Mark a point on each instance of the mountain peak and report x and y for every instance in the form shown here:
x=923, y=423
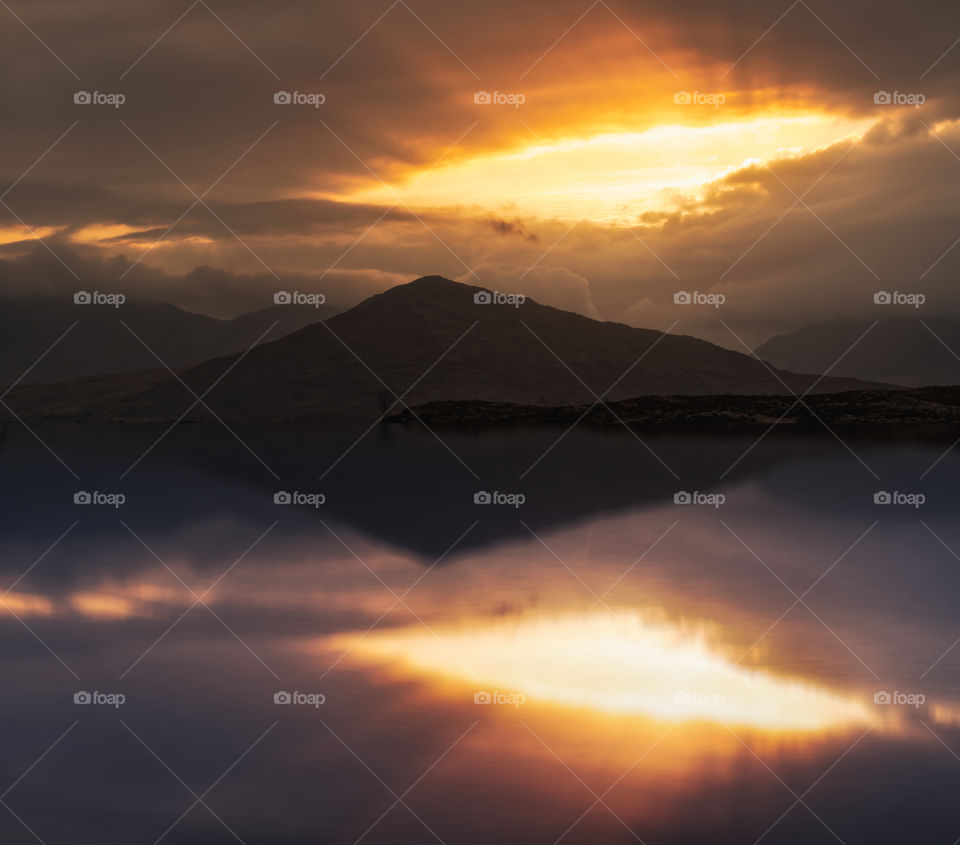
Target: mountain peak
x=424, y=291
x=433, y=280
x=431, y=284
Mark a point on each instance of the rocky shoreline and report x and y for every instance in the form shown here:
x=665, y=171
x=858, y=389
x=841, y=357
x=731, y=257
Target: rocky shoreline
x=929, y=406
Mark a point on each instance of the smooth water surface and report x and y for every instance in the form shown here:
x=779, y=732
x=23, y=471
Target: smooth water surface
x=595, y=664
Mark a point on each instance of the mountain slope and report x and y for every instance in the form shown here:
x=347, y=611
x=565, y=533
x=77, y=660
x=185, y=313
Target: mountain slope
x=429, y=335
x=899, y=350
x=100, y=344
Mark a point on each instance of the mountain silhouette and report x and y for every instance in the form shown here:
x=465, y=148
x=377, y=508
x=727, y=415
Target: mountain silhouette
x=898, y=350
x=425, y=341
x=101, y=344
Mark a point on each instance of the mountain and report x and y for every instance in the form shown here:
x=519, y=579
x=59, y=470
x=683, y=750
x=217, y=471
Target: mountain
x=431, y=338
x=898, y=350
x=100, y=344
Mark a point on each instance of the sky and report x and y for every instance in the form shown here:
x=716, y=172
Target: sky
x=790, y=158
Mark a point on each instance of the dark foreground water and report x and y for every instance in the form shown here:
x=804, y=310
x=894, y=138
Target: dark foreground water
x=401, y=664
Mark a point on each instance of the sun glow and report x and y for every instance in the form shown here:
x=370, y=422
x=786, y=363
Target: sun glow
x=15, y=234
x=614, y=178
x=617, y=664
x=101, y=232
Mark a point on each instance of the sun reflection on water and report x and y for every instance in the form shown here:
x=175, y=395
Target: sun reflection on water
x=615, y=663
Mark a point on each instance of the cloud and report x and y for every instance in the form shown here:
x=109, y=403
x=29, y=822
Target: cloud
x=210, y=290
x=513, y=227
x=554, y=286
x=879, y=215
x=200, y=108
x=200, y=101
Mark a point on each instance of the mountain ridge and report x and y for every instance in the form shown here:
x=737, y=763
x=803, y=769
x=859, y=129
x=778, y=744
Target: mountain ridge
x=909, y=351
x=427, y=340
x=93, y=340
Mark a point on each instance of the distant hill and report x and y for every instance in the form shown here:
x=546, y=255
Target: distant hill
x=432, y=335
x=899, y=350
x=99, y=344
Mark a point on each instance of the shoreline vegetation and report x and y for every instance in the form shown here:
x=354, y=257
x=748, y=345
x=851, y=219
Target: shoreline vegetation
x=934, y=407
x=933, y=410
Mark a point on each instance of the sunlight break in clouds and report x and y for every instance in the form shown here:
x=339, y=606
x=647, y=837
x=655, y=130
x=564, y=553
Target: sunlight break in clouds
x=612, y=178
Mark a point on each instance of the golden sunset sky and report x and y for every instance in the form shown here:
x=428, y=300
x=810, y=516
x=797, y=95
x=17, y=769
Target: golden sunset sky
x=596, y=156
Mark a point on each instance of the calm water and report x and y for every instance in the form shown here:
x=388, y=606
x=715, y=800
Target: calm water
x=598, y=664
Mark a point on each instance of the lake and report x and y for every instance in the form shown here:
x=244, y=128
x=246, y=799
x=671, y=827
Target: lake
x=302, y=635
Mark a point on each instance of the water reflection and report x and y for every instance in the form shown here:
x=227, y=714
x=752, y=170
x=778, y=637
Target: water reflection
x=706, y=677
x=26, y=604
x=615, y=663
